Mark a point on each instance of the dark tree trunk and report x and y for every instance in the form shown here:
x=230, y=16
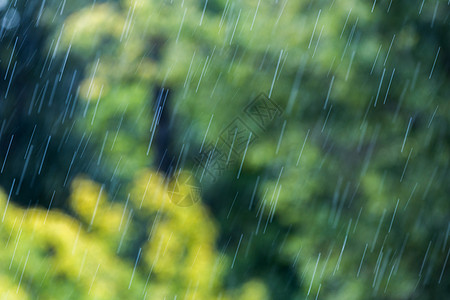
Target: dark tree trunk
x=164, y=158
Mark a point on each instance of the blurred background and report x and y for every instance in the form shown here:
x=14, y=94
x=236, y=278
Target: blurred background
x=224, y=149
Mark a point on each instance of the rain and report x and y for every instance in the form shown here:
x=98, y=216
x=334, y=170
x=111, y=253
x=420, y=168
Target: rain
x=224, y=149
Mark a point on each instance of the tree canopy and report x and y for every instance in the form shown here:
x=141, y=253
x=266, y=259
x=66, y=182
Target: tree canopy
x=225, y=149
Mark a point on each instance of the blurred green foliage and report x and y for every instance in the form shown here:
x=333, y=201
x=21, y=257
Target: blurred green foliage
x=344, y=196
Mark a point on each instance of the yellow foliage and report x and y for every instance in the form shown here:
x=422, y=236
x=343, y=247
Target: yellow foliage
x=86, y=197
x=253, y=290
x=66, y=256
x=92, y=89
x=8, y=290
x=88, y=200
x=181, y=236
x=86, y=28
